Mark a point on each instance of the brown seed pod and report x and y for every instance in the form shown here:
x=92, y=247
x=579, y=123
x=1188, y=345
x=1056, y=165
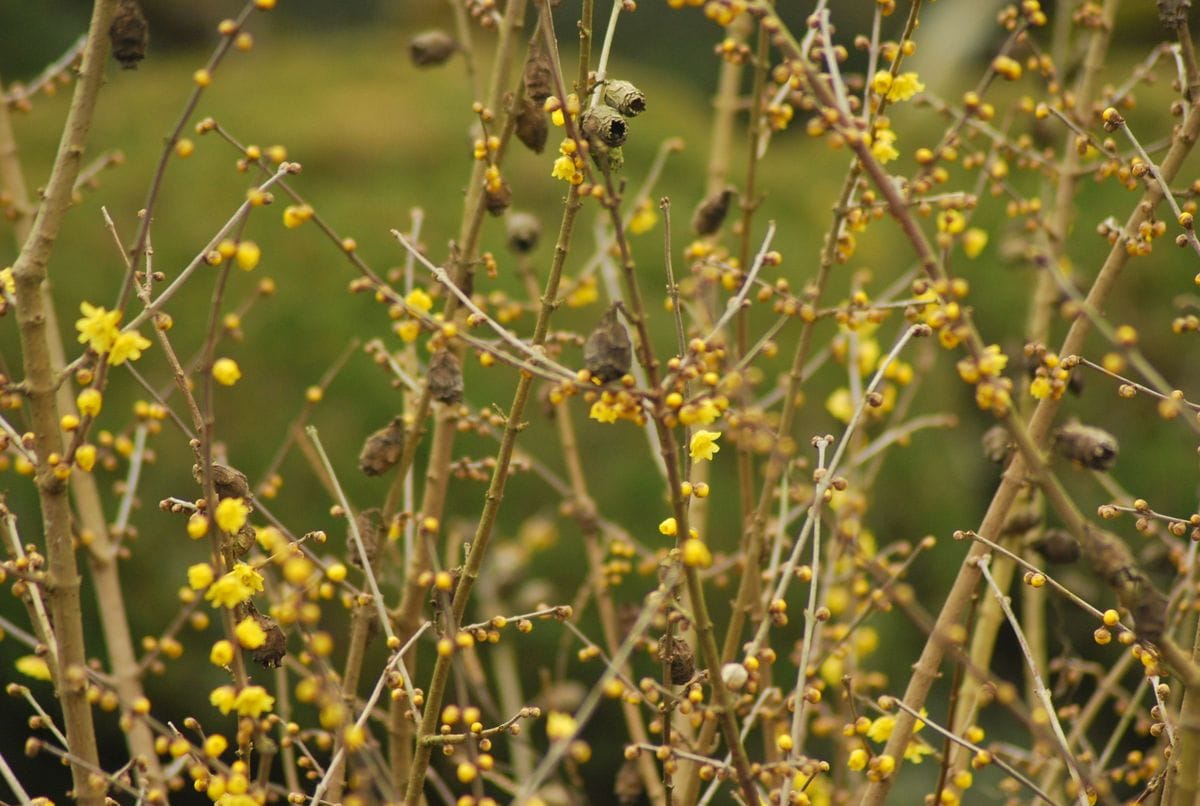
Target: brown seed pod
x=1057, y=546
x=1089, y=446
x=431, y=48
x=996, y=445
x=1020, y=520
x=710, y=215
x=532, y=128
x=370, y=528
x=445, y=377
x=382, y=449
x=608, y=353
x=270, y=654
x=538, y=75
x=625, y=98
x=524, y=229
x=497, y=201
x=228, y=482
x=628, y=787
x=129, y=33
x=604, y=124
x=678, y=653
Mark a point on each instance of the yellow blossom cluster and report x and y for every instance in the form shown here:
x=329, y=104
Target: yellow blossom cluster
x=1050, y=379
x=896, y=88
x=569, y=165
x=235, y=587
x=98, y=330
x=251, y=701
x=610, y=406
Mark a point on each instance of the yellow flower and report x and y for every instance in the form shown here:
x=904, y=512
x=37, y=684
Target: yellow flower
x=355, y=738
x=248, y=254
x=200, y=576
x=840, y=405
x=696, y=554
x=221, y=654
x=858, y=759
x=974, y=241
x=248, y=577
x=704, y=444
x=584, y=294
x=249, y=633
x=883, y=146
x=7, y=282
x=295, y=215
x=668, y=527
x=951, y=222
x=253, y=700
x=418, y=298
x=224, y=698
x=644, y=218
x=85, y=457
x=98, y=327
x=128, y=346
x=560, y=725
x=231, y=514
x=881, y=729
x=235, y=587
x=226, y=371
x=898, y=88
x=1041, y=388
x=89, y=402
x=564, y=169
x=215, y=745
x=603, y=412
x=33, y=666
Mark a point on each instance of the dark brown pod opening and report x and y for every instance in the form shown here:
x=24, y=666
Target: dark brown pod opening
x=608, y=353
x=524, y=230
x=625, y=98
x=605, y=124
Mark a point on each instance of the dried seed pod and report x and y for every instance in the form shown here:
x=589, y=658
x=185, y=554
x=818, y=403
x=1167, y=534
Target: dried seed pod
x=1020, y=520
x=431, y=48
x=524, y=229
x=679, y=655
x=497, y=201
x=382, y=449
x=538, y=75
x=241, y=543
x=531, y=126
x=370, y=528
x=710, y=215
x=270, y=653
x=129, y=33
x=604, y=124
x=445, y=377
x=625, y=98
x=228, y=482
x=1057, y=546
x=996, y=445
x=628, y=787
x=608, y=353
x=1089, y=446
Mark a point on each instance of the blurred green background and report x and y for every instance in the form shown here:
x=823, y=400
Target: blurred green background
x=378, y=138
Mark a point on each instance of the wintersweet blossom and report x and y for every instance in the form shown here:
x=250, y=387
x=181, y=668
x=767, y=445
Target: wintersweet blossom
x=704, y=444
x=98, y=327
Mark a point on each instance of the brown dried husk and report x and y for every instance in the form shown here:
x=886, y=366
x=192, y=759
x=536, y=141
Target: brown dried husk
x=431, y=48
x=270, y=654
x=625, y=98
x=605, y=124
x=680, y=656
x=524, y=230
x=1057, y=546
x=532, y=129
x=1089, y=446
x=628, y=787
x=497, y=201
x=130, y=33
x=538, y=76
x=382, y=449
x=608, y=353
x=997, y=446
x=710, y=215
x=445, y=377
x=370, y=529
x=228, y=482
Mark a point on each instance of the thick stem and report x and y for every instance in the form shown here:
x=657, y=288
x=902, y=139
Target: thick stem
x=32, y=316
